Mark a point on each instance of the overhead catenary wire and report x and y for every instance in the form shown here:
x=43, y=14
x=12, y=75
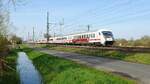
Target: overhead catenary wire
x=111, y=7
x=90, y=12
x=120, y=16
x=117, y=14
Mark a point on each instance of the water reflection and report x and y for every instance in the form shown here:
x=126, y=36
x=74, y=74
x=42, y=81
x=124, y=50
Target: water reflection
x=27, y=71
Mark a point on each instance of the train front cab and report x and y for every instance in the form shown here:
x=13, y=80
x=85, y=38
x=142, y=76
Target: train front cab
x=107, y=38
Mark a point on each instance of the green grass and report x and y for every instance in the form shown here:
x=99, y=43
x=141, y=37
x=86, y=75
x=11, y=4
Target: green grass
x=10, y=76
x=126, y=56
x=56, y=70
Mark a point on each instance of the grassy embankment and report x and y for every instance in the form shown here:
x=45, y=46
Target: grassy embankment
x=56, y=70
x=10, y=75
x=126, y=56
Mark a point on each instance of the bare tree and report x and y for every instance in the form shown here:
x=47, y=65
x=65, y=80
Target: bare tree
x=4, y=22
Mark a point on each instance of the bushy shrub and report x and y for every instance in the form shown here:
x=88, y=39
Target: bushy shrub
x=142, y=42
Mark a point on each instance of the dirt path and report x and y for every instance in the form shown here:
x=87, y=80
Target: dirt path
x=134, y=70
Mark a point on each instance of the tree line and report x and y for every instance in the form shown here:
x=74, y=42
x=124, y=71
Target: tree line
x=141, y=42
x=5, y=38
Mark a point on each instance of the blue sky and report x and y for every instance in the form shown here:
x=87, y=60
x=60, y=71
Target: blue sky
x=126, y=18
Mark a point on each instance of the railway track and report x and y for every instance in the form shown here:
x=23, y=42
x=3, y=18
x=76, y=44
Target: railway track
x=118, y=48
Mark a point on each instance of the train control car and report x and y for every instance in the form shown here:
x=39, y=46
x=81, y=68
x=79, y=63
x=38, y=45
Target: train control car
x=101, y=37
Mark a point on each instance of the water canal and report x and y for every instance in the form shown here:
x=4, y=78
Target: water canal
x=27, y=71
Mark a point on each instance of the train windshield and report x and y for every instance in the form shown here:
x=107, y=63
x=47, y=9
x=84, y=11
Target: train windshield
x=107, y=33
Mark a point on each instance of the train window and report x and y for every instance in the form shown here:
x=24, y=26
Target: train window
x=99, y=33
x=93, y=35
x=58, y=39
x=107, y=33
x=80, y=36
x=88, y=36
x=83, y=36
x=64, y=38
x=51, y=39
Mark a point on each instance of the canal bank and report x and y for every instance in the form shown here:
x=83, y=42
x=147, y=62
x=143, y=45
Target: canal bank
x=10, y=75
x=55, y=70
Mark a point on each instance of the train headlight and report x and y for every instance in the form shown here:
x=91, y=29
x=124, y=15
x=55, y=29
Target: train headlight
x=109, y=39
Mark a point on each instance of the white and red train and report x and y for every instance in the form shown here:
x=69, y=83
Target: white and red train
x=101, y=37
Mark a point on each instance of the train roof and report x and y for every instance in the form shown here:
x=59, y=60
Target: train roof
x=104, y=30
x=90, y=31
x=85, y=32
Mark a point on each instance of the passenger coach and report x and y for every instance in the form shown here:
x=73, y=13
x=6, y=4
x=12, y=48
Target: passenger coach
x=101, y=37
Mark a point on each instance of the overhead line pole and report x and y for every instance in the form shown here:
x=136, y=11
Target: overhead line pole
x=88, y=26
x=28, y=37
x=61, y=26
x=48, y=23
x=33, y=35
x=47, y=27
